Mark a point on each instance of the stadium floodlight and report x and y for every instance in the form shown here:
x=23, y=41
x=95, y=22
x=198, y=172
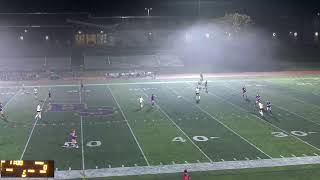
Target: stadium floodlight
x=148, y=9
x=316, y=34
x=274, y=34
x=150, y=33
x=295, y=34
x=21, y=38
x=207, y=35
x=101, y=32
x=25, y=30
x=79, y=32
x=47, y=37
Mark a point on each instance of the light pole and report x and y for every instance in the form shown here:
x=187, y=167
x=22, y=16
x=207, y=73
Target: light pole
x=199, y=7
x=148, y=9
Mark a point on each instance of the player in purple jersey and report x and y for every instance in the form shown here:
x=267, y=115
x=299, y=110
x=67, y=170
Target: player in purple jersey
x=153, y=98
x=258, y=98
x=73, y=139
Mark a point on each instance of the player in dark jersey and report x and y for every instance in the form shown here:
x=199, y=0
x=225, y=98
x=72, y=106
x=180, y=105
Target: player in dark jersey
x=153, y=98
x=49, y=95
x=73, y=139
x=2, y=113
x=206, y=86
x=258, y=98
x=269, y=108
x=244, y=92
x=81, y=85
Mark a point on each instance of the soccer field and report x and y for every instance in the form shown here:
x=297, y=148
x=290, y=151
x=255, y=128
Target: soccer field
x=113, y=132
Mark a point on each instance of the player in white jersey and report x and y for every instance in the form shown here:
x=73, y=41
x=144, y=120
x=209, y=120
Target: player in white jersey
x=38, y=115
x=141, y=100
x=35, y=91
x=197, y=94
x=260, y=108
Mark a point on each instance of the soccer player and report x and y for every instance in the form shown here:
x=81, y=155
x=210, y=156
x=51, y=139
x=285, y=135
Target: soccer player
x=49, y=95
x=73, y=139
x=258, y=98
x=38, y=115
x=206, y=86
x=35, y=91
x=201, y=77
x=2, y=113
x=197, y=94
x=185, y=176
x=81, y=85
x=244, y=92
x=153, y=98
x=260, y=108
x=23, y=88
x=269, y=107
x=141, y=100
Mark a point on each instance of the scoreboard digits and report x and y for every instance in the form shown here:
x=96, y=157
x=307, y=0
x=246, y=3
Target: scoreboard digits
x=27, y=168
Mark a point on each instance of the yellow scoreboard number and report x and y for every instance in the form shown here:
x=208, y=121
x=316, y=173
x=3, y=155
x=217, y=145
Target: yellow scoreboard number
x=27, y=168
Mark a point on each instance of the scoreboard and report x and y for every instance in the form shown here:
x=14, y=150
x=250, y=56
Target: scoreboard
x=27, y=168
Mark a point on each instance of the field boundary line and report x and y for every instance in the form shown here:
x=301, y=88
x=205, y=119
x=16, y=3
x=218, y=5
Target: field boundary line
x=192, y=167
x=125, y=118
x=293, y=87
x=276, y=126
x=220, y=122
x=178, y=127
x=82, y=149
x=31, y=133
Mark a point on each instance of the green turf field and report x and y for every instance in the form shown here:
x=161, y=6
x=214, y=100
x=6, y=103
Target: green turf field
x=114, y=132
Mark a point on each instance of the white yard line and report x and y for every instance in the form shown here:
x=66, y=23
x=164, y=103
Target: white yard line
x=288, y=133
x=185, y=134
x=125, y=118
x=193, y=167
x=301, y=101
x=30, y=135
x=220, y=122
x=4, y=107
x=82, y=149
x=280, y=107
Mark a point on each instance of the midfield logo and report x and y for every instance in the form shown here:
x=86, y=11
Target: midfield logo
x=81, y=109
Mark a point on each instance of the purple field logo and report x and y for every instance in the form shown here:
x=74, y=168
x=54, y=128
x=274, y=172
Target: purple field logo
x=82, y=109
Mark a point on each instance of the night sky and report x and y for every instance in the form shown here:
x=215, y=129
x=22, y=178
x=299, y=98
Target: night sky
x=212, y=8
